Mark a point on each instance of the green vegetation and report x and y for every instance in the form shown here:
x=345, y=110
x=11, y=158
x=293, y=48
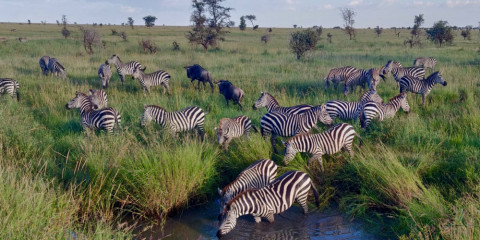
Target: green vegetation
x=414, y=176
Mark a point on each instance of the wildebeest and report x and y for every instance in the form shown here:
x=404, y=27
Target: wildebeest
x=230, y=92
x=196, y=72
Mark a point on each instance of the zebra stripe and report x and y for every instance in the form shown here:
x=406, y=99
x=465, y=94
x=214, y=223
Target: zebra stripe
x=9, y=86
x=105, y=73
x=342, y=109
x=398, y=71
x=370, y=95
x=151, y=79
x=123, y=68
x=425, y=62
x=362, y=77
x=421, y=86
x=107, y=118
x=287, y=125
x=373, y=109
x=43, y=62
x=257, y=175
x=184, y=120
x=99, y=99
x=337, y=75
x=329, y=142
x=268, y=101
x=230, y=128
x=272, y=199
x=56, y=68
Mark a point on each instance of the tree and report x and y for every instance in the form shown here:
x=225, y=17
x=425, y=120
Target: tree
x=466, y=33
x=242, y=25
x=130, y=22
x=251, y=18
x=209, y=20
x=329, y=37
x=378, y=31
x=65, y=31
x=303, y=41
x=348, y=15
x=90, y=37
x=149, y=20
x=440, y=33
x=415, y=31
x=29, y=22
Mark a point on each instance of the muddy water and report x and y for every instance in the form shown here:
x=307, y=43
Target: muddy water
x=200, y=223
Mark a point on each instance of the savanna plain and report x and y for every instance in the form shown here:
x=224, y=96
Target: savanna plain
x=415, y=176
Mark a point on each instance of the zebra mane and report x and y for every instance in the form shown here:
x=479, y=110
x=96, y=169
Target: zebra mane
x=221, y=123
x=396, y=97
x=153, y=106
x=274, y=100
x=433, y=75
x=227, y=206
x=297, y=136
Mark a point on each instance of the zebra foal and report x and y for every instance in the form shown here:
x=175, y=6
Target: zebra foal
x=268, y=101
x=152, y=79
x=272, y=199
x=421, y=86
x=123, y=69
x=230, y=128
x=9, y=86
x=373, y=109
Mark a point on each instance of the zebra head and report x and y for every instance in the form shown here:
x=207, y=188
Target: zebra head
x=289, y=152
x=437, y=78
x=146, y=116
x=390, y=66
x=221, y=133
x=114, y=59
x=228, y=222
x=225, y=197
x=262, y=101
x=138, y=72
x=404, y=103
x=76, y=102
x=322, y=114
x=98, y=97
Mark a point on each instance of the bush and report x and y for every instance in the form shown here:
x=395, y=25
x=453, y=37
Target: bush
x=440, y=33
x=303, y=41
x=123, y=35
x=149, y=45
x=175, y=45
x=265, y=38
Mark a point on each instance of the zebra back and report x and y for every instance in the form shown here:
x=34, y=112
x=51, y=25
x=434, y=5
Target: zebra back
x=55, y=67
x=337, y=75
x=10, y=86
x=151, y=79
x=370, y=95
x=268, y=101
x=342, y=109
x=425, y=62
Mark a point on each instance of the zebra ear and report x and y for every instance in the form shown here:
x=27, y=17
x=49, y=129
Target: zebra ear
x=144, y=106
x=77, y=92
x=219, y=191
x=142, y=69
x=90, y=92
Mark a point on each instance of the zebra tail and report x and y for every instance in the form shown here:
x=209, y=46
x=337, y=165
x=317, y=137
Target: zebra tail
x=315, y=193
x=118, y=120
x=18, y=96
x=254, y=128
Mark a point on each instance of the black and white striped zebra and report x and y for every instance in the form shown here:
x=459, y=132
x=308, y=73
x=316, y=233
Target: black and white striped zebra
x=372, y=110
x=362, y=77
x=421, y=86
x=337, y=75
x=343, y=109
x=268, y=101
x=123, y=68
x=105, y=73
x=107, y=118
x=184, y=120
x=398, y=71
x=288, y=125
x=98, y=97
x=230, y=128
x=9, y=86
x=152, y=79
x=272, y=199
x=43, y=62
x=331, y=141
x=370, y=95
x=425, y=62
x=257, y=175
x=56, y=68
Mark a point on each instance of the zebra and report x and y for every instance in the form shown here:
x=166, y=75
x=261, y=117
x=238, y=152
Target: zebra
x=9, y=86
x=373, y=78
x=56, y=68
x=268, y=101
x=337, y=75
x=331, y=141
x=44, y=64
x=398, y=71
x=360, y=77
x=272, y=199
x=257, y=175
x=287, y=125
x=370, y=95
x=123, y=68
x=107, y=118
x=151, y=79
x=105, y=73
x=183, y=120
x=425, y=62
x=421, y=86
x=342, y=109
x=373, y=109
x=230, y=128
x=98, y=97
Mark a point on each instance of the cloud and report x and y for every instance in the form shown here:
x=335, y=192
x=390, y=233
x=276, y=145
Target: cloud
x=460, y=3
x=127, y=9
x=328, y=6
x=355, y=3
x=422, y=4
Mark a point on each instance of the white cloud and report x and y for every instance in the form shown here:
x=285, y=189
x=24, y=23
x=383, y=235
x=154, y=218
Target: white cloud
x=328, y=6
x=422, y=4
x=127, y=9
x=459, y=3
x=355, y=3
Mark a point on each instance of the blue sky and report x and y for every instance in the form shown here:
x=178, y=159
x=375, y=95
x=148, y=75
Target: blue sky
x=269, y=13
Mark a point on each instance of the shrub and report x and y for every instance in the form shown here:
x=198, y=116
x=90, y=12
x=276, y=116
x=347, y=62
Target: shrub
x=265, y=38
x=440, y=33
x=123, y=35
x=90, y=37
x=303, y=41
x=175, y=45
x=149, y=45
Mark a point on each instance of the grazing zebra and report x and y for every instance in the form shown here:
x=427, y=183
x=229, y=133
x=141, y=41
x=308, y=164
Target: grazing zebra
x=123, y=69
x=398, y=71
x=425, y=62
x=105, y=73
x=370, y=95
x=10, y=87
x=230, y=128
x=56, y=68
x=272, y=199
x=44, y=64
x=373, y=78
x=287, y=125
x=360, y=77
x=268, y=101
x=107, y=118
x=373, y=109
x=421, y=86
x=337, y=75
x=99, y=99
x=331, y=141
x=342, y=109
x=180, y=121
x=257, y=175
x=152, y=79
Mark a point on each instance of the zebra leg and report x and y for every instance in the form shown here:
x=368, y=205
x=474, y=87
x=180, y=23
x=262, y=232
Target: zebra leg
x=273, y=139
x=226, y=143
x=122, y=78
x=201, y=132
x=302, y=200
x=270, y=218
x=423, y=101
x=318, y=157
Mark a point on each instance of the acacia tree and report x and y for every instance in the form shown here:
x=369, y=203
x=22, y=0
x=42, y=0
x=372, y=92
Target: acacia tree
x=209, y=20
x=149, y=20
x=130, y=22
x=348, y=15
x=440, y=33
x=251, y=18
x=242, y=25
x=415, y=32
x=303, y=41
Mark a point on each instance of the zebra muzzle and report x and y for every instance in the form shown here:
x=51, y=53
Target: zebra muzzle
x=444, y=83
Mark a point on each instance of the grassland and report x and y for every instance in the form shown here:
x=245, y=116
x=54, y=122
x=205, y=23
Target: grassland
x=415, y=176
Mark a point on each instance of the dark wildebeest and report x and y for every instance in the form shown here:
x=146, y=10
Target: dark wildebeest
x=230, y=92
x=196, y=72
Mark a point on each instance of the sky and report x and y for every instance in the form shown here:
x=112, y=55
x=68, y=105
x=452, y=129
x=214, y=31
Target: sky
x=269, y=13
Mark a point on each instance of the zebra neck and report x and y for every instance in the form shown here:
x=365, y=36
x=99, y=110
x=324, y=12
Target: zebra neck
x=161, y=118
x=309, y=119
x=392, y=107
x=86, y=106
x=272, y=105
